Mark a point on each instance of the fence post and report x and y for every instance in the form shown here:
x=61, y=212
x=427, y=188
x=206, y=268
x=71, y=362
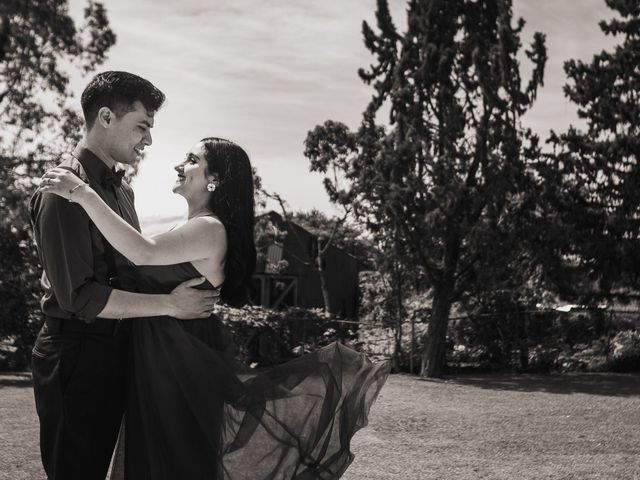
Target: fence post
x=413, y=331
x=607, y=324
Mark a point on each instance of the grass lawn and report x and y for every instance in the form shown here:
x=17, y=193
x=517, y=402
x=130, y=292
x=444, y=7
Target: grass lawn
x=574, y=426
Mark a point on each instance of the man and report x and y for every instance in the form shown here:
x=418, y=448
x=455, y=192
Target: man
x=80, y=355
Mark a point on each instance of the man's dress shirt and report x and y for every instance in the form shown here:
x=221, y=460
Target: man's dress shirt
x=72, y=249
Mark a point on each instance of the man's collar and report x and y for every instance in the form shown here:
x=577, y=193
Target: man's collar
x=96, y=169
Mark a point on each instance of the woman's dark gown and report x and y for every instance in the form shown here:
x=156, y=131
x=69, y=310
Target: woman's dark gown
x=195, y=413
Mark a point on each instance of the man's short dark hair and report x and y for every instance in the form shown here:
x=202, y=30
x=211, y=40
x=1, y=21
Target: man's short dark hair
x=118, y=91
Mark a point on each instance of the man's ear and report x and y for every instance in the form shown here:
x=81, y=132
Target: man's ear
x=105, y=117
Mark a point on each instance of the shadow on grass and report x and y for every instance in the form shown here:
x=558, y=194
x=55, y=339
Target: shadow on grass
x=10, y=379
x=608, y=384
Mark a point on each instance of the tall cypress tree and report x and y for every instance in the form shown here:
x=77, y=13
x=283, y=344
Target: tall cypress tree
x=593, y=178
x=441, y=180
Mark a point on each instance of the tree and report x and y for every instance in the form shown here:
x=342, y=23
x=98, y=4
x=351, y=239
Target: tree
x=439, y=183
x=330, y=149
x=38, y=40
x=348, y=236
x=592, y=177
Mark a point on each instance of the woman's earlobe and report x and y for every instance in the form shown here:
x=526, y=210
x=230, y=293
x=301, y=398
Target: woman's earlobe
x=213, y=183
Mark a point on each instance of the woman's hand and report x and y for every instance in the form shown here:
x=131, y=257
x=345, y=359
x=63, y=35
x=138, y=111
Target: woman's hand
x=62, y=182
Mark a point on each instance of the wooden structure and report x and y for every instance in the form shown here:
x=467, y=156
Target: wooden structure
x=299, y=283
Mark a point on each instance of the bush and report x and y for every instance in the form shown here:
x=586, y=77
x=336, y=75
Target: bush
x=265, y=337
x=543, y=359
x=20, y=292
x=625, y=356
x=538, y=342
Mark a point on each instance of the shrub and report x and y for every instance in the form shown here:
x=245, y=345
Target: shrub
x=20, y=292
x=265, y=337
x=625, y=356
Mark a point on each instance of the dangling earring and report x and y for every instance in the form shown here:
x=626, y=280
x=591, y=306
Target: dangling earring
x=211, y=187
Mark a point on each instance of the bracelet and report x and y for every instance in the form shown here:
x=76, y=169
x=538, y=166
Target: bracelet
x=74, y=189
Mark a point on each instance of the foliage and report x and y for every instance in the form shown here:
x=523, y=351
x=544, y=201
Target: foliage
x=19, y=296
x=545, y=341
x=625, y=355
x=535, y=341
x=376, y=303
x=264, y=336
x=387, y=317
x=39, y=39
x=590, y=181
x=449, y=177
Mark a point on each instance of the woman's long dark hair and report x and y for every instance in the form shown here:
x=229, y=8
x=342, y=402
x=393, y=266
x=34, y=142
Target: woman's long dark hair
x=233, y=203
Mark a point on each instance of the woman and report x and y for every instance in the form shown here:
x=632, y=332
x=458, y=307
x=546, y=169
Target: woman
x=193, y=411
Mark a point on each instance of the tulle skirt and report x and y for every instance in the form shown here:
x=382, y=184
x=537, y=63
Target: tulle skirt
x=195, y=413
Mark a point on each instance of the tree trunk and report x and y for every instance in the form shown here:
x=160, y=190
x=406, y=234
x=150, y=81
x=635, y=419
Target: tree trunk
x=399, y=313
x=523, y=346
x=323, y=286
x=433, y=356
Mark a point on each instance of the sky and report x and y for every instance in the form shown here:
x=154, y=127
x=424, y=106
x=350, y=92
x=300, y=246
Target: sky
x=264, y=72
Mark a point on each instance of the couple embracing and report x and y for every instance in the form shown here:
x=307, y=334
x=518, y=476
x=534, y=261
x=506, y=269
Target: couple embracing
x=131, y=337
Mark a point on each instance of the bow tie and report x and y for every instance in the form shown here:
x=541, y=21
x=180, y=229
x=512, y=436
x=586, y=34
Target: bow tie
x=113, y=178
